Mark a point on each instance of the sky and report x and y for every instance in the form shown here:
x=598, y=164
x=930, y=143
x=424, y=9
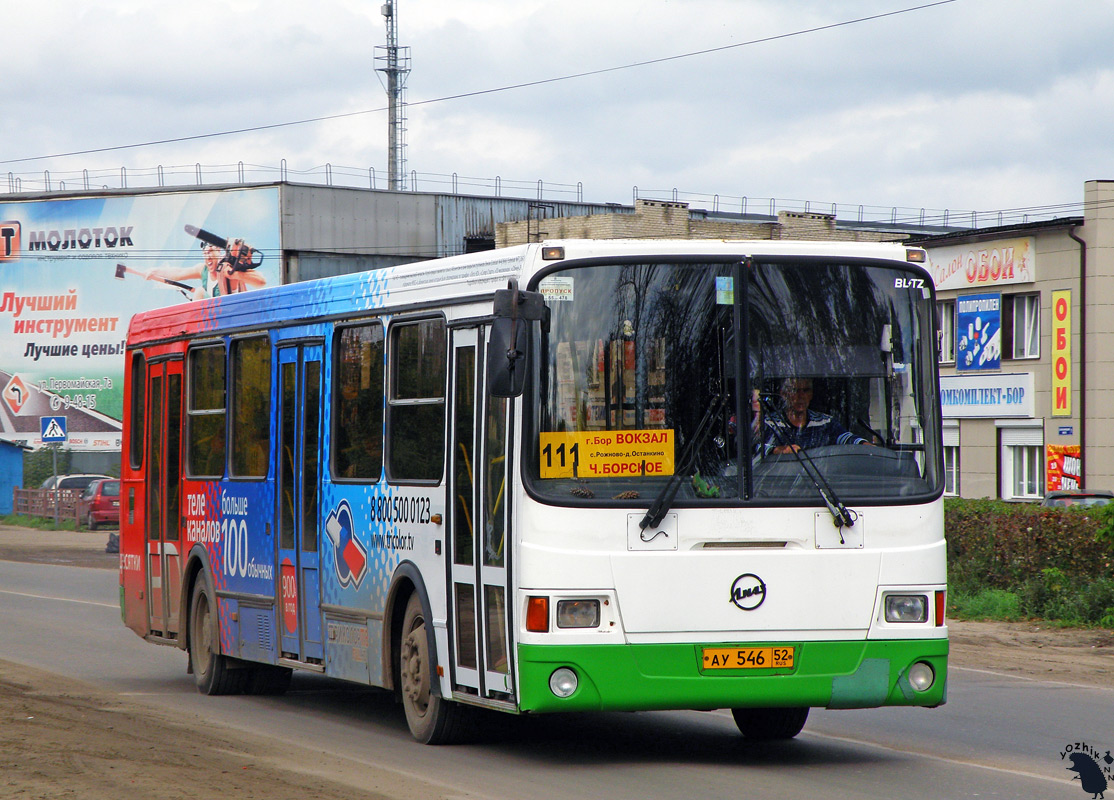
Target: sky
x=968, y=105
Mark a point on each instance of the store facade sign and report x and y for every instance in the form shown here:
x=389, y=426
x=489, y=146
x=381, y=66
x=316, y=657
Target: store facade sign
x=1061, y=353
x=978, y=332
x=984, y=265
x=967, y=397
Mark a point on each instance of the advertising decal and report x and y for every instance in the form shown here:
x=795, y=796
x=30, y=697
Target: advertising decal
x=1065, y=467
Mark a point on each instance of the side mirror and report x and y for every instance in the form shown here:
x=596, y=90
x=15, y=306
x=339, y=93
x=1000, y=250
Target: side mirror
x=506, y=357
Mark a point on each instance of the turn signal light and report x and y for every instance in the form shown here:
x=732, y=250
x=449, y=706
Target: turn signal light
x=537, y=614
x=940, y=606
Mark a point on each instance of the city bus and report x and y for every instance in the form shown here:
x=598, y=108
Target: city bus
x=568, y=476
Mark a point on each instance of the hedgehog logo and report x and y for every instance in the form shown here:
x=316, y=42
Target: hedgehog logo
x=1088, y=765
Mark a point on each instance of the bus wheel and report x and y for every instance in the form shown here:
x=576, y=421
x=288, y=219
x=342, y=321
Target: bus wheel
x=268, y=680
x=432, y=719
x=770, y=723
x=210, y=669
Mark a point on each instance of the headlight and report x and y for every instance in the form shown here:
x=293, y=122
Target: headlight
x=562, y=682
x=578, y=613
x=906, y=608
x=921, y=676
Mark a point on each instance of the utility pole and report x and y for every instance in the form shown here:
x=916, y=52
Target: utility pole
x=395, y=63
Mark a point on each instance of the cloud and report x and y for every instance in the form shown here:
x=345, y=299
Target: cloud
x=989, y=104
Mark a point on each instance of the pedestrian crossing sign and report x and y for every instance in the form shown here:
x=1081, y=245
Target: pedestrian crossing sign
x=53, y=429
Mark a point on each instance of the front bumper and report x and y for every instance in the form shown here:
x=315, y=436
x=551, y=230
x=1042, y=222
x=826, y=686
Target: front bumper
x=827, y=674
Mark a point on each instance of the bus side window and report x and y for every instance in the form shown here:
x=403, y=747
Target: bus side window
x=138, y=409
x=206, y=412
x=251, y=407
x=358, y=403
x=416, y=421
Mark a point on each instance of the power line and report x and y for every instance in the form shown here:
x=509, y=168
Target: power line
x=482, y=92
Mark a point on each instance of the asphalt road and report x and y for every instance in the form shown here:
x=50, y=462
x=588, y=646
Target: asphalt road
x=999, y=736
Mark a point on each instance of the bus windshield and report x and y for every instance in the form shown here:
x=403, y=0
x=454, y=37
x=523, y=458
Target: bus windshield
x=743, y=382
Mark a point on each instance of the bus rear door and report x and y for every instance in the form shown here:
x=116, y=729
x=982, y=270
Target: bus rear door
x=164, y=460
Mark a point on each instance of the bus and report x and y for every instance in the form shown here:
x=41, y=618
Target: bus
x=568, y=476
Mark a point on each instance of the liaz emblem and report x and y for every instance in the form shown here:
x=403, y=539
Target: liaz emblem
x=748, y=591
x=349, y=555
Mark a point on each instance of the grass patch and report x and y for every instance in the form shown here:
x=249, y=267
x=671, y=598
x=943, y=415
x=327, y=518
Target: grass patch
x=993, y=604
x=39, y=523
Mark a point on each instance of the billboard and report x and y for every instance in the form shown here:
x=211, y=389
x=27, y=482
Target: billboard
x=1065, y=467
x=978, y=332
x=73, y=271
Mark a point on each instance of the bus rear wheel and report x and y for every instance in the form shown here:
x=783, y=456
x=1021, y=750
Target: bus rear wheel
x=432, y=718
x=770, y=724
x=211, y=671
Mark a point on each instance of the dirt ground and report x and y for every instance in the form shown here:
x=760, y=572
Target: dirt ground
x=64, y=739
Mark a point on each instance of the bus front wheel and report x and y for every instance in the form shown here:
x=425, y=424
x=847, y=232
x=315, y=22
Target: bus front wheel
x=769, y=724
x=432, y=718
x=211, y=670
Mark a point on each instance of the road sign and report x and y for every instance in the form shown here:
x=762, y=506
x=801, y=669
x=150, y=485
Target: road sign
x=15, y=394
x=53, y=429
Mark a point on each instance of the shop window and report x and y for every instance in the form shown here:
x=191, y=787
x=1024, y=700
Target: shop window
x=951, y=459
x=1022, y=463
x=1021, y=325
x=945, y=311
x=951, y=471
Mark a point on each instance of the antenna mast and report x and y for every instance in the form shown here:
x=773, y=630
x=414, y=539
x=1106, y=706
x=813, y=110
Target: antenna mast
x=395, y=62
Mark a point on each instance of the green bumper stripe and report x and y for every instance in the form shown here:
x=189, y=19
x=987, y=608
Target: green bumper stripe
x=855, y=674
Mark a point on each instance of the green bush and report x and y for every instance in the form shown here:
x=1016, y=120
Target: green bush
x=1057, y=564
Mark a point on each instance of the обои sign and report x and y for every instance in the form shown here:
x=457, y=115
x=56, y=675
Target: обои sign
x=983, y=265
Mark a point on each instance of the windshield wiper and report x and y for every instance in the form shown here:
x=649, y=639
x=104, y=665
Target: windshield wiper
x=841, y=515
x=658, y=509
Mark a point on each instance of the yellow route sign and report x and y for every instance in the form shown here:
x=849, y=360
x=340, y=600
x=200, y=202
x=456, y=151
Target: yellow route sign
x=606, y=454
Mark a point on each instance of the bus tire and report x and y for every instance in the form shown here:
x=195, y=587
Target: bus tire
x=211, y=670
x=770, y=724
x=432, y=718
x=268, y=680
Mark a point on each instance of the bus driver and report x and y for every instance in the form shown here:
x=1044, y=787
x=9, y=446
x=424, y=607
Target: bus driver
x=798, y=427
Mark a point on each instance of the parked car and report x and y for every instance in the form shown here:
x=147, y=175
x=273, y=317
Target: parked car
x=76, y=482
x=99, y=504
x=1077, y=499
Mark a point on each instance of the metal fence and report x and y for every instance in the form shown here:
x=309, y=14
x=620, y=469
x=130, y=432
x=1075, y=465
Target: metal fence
x=47, y=503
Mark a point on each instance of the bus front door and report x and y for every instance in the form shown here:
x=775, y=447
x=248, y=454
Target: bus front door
x=296, y=487
x=164, y=461
x=479, y=527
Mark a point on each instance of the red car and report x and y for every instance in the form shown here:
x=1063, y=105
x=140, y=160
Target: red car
x=99, y=504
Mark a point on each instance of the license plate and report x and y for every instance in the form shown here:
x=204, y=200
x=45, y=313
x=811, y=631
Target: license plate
x=115, y=503
x=748, y=657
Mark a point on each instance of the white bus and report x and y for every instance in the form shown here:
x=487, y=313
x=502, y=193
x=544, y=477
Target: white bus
x=568, y=476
